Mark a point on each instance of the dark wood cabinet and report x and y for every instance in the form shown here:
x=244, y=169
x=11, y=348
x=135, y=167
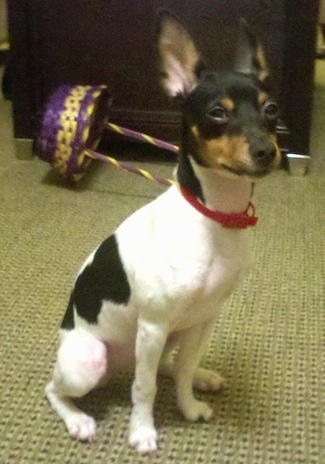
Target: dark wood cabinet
x=112, y=42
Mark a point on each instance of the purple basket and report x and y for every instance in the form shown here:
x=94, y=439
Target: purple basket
x=74, y=119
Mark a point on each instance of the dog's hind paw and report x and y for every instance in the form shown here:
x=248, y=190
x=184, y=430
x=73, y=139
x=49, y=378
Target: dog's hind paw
x=81, y=427
x=196, y=410
x=144, y=440
x=208, y=381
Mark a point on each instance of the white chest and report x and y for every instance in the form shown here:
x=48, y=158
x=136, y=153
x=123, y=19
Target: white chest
x=197, y=287
x=186, y=265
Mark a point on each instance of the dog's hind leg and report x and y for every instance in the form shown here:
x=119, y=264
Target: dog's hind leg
x=204, y=380
x=80, y=366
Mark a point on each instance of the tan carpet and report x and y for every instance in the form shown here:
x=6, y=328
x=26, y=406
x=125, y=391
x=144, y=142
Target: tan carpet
x=269, y=341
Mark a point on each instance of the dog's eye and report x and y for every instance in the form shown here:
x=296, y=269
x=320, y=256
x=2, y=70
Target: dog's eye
x=271, y=111
x=218, y=114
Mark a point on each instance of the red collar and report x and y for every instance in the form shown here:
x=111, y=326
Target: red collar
x=230, y=221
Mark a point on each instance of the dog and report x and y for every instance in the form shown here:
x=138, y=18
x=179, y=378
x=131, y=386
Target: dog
x=147, y=298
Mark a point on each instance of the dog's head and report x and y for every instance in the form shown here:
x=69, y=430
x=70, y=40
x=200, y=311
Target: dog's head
x=229, y=118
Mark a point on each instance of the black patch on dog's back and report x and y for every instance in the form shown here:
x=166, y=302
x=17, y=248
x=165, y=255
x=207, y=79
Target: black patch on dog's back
x=68, y=320
x=103, y=279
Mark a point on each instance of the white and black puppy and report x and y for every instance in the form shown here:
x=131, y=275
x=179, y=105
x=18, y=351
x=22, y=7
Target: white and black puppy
x=148, y=296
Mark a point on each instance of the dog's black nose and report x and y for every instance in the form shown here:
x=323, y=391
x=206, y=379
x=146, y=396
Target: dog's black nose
x=263, y=152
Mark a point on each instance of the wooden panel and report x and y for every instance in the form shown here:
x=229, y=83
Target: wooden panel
x=298, y=71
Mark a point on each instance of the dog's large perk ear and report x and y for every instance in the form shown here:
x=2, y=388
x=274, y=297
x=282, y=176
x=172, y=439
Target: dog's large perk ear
x=178, y=56
x=249, y=56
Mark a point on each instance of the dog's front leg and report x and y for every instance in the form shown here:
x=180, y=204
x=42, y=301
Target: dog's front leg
x=192, y=346
x=150, y=343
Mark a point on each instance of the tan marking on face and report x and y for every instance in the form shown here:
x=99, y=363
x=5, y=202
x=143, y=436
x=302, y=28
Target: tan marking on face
x=225, y=150
x=228, y=104
x=232, y=152
x=222, y=150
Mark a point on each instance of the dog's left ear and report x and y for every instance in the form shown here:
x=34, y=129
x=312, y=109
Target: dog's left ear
x=249, y=56
x=178, y=56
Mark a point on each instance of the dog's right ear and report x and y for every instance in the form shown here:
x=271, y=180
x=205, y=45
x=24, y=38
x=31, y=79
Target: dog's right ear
x=178, y=56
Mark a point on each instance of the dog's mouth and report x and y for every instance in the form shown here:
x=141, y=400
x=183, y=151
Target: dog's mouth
x=257, y=173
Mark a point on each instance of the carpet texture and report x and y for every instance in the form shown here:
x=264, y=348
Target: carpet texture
x=268, y=341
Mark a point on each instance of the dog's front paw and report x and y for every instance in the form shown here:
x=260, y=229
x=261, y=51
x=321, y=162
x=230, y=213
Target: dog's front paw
x=81, y=427
x=144, y=440
x=196, y=410
x=208, y=381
